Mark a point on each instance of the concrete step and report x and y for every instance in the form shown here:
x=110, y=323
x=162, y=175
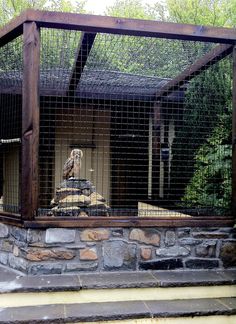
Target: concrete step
x=168, y=297
x=217, y=311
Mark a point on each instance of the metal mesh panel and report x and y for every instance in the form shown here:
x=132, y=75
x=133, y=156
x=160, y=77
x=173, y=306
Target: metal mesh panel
x=145, y=152
x=10, y=125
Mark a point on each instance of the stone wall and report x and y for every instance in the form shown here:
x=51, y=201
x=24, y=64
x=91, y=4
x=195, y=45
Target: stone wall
x=60, y=250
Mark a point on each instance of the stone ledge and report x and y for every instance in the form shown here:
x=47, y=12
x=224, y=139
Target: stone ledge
x=13, y=282
x=118, y=311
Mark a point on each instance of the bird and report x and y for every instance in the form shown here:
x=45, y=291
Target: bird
x=72, y=165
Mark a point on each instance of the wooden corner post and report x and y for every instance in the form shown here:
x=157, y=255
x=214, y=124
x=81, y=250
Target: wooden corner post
x=234, y=136
x=30, y=121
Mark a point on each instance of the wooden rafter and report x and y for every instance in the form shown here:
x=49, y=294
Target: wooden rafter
x=136, y=27
x=209, y=59
x=86, y=43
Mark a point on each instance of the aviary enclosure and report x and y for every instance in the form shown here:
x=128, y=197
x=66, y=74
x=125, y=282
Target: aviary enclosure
x=148, y=106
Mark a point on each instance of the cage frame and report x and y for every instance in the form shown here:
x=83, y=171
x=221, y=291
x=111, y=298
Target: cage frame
x=28, y=24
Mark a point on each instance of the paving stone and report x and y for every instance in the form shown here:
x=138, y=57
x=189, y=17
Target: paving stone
x=32, y=314
x=190, y=278
x=59, y=235
x=107, y=311
x=119, y=255
x=196, y=307
x=7, y=274
x=229, y=275
x=228, y=254
x=118, y=280
x=173, y=251
x=94, y=235
x=148, y=236
x=47, y=283
x=197, y=263
x=4, y=231
x=164, y=264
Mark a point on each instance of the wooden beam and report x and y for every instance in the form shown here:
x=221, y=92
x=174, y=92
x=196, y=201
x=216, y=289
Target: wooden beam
x=13, y=29
x=124, y=26
x=86, y=43
x=209, y=59
x=45, y=222
x=30, y=121
x=234, y=136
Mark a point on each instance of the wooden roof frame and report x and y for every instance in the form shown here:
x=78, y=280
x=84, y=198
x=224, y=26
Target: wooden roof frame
x=113, y=25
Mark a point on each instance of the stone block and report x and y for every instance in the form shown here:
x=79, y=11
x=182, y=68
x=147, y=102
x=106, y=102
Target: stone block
x=7, y=246
x=207, y=249
x=95, y=235
x=46, y=269
x=119, y=255
x=85, y=266
x=210, y=235
x=189, y=241
x=173, y=251
x=19, y=234
x=34, y=254
x=164, y=264
x=146, y=253
x=4, y=231
x=198, y=263
x=183, y=232
x=59, y=235
x=35, y=236
x=3, y=258
x=117, y=233
x=18, y=263
x=228, y=253
x=170, y=238
x=147, y=236
x=88, y=254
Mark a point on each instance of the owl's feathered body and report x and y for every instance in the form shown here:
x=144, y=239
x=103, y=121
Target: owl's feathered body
x=72, y=165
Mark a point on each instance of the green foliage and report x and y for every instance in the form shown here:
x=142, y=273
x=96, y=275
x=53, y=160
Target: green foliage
x=210, y=185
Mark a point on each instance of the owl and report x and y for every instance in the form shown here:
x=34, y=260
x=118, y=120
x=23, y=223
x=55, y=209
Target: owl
x=72, y=165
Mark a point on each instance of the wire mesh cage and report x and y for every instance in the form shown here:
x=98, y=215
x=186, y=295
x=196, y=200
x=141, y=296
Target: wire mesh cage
x=129, y=126
x=11, y=66
x=145, y=152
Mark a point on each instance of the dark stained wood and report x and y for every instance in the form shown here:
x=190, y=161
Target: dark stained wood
x=13, y=29
x=234, y=136
x=86, y=43
x=30, y=121
x=89, y=222
x=215, y=55
x=125, y=26
x=11, y=219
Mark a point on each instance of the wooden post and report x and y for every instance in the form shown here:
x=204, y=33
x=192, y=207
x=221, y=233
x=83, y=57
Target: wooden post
x=30, y=121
